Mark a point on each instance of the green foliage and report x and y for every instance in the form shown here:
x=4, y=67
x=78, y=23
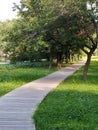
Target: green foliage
x=21, y=44
x=72, y=105
x=46, y=28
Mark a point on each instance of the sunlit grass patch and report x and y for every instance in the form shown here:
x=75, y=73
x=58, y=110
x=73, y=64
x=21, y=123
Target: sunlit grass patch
x=73, y=105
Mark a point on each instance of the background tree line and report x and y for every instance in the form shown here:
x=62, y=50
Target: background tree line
x=52, y=29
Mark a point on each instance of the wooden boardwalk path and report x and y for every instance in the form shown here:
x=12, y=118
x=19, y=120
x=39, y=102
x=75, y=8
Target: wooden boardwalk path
x=18, y=106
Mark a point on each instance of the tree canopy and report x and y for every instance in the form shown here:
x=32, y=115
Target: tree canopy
x=53, y=29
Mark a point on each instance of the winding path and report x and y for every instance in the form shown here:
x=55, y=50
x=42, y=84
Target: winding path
x=18, y=106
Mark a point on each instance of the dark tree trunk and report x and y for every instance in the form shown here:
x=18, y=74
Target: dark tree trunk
x=67, y=58
x=67, y=55
x=59, y=60
x=89, y=55
x=72, y=58
x=86, y=66
x=78, y=57
x=50, y=62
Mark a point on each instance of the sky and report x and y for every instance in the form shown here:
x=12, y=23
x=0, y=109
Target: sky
x=6, y=11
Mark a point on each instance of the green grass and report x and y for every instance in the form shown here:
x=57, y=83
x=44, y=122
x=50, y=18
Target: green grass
x=73, y=105
x=12, y=77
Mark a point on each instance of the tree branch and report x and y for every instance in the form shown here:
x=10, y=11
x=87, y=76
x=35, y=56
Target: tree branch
x=84, y=50
x=90, y=38
x=87, y=46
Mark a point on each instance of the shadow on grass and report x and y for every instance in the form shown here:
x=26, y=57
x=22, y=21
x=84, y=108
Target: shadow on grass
x=68, y=110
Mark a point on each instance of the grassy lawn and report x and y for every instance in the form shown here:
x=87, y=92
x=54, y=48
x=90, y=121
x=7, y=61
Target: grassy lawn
x=12, y=77
x=73, y=105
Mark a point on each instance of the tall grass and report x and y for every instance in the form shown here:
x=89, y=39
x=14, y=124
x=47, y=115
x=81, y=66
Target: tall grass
x=73, y=105
x=12, y=77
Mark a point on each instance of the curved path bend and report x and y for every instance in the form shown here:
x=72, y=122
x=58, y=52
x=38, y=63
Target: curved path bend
x=18, y=106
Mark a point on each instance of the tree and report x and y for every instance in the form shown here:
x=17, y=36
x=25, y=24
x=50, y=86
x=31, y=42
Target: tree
x=79, y=25
x=21, y=41
x=2, y=43
x=61, y=37
x=65, y=25
x=84, y=24
x=43, y=12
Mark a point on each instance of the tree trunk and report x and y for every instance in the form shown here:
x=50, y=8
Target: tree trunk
x=50, y=62
x=67, y=55
x=72, y=58
x=67, y=58
x=59, y=60
x=86, y=66
x=78, y=57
